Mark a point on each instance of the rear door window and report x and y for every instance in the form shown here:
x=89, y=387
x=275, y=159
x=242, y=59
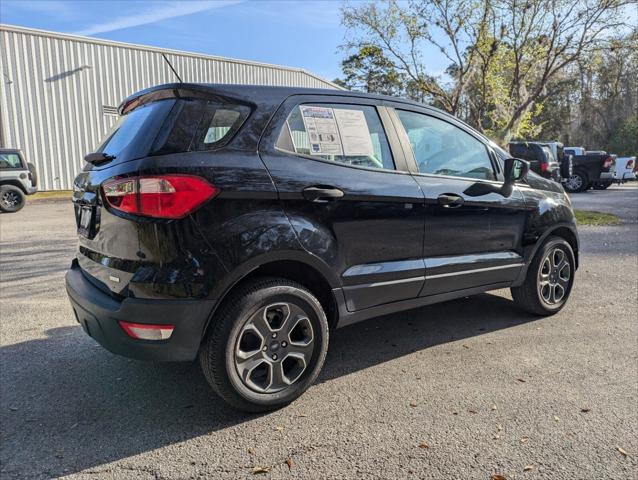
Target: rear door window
x=341, y=133
x=10, y=160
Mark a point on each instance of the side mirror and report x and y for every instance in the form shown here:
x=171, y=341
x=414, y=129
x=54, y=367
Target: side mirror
x=515, y=169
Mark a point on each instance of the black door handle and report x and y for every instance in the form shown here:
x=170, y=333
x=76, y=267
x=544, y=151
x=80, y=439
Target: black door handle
x=449, y=200
x=321, y=194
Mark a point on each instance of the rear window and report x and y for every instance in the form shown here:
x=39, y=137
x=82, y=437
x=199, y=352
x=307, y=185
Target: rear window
x=548, y=154
x=173, y=126
x=132, y=135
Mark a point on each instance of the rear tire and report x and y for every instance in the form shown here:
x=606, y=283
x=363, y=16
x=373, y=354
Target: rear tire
x=12, y=199
x=549, y=281
x=578, y=182
x=266, y=345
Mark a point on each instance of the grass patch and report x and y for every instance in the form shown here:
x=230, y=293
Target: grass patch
x=52, y=195
x=596, y=219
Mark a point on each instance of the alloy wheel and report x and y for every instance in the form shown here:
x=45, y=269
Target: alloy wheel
x=10, y=199
x=554, y=277
x=274, y=347
x=574, y=182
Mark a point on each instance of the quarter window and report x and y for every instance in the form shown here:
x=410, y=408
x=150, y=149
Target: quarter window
x=441, y=148
x=199, y=125
x=348, y=134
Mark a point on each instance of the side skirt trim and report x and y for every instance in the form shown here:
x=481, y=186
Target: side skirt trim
x=348, y=318
x=475, y=270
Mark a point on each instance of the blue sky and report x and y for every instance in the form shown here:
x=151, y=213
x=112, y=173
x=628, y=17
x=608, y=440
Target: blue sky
x=303, y=34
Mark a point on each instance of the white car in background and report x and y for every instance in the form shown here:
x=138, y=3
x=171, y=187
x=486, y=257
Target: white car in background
x=624, y=169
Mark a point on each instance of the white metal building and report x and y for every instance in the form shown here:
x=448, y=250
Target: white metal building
x=59, y=93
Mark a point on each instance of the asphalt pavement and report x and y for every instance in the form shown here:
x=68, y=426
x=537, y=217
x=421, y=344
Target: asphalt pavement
x=461, y=390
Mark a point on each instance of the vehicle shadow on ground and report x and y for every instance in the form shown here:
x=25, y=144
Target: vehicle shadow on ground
x=67, y=405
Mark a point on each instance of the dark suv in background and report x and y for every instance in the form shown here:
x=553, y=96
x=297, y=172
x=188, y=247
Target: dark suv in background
x=547, y=159
x=241, y=224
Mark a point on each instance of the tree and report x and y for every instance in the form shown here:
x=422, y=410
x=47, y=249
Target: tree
x=401, y=32
x=593, y=101
x=369, y=70
x=506, y=56
x=624, y=141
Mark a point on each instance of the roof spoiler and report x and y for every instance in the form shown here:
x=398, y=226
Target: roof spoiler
x=177, y=90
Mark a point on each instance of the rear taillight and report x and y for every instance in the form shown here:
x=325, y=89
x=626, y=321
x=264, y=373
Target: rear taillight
x=160, y=196
x=544, y=167
x=144, y=331
x=630, y=165
x=609, y=161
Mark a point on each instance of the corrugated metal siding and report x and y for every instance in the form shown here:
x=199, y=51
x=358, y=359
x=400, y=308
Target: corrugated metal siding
x=54, y=89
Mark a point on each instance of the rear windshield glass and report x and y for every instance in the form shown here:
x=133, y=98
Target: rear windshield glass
x=173, y=126
x=196, y=125
x=132, y=134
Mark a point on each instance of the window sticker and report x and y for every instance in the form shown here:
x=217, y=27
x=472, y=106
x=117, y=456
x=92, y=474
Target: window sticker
x=322, y=130
x=355, y=135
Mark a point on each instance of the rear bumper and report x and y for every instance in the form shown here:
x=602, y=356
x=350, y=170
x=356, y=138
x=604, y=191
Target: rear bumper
x=99, y=313
x=624, y=176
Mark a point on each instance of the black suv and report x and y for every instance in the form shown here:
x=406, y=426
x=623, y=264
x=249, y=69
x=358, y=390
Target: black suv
x=540, y=157
x=241, y=224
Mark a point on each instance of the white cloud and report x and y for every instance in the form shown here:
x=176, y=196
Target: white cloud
x=156, y=13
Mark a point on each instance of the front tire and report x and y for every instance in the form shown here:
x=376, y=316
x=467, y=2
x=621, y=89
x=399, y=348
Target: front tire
x=266, y=345
x=577, y=182
x=12, y=199
x=549, y=280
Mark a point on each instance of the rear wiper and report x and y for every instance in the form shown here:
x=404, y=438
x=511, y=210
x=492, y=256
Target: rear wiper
x=98, y=157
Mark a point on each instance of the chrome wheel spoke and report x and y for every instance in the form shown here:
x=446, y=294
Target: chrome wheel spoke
x=559, y=293
x=295, y=314
x=258, y=323
x=558, y=257
x=254, y=371
x=277, y=381
x=564, y=272
x=301, y=350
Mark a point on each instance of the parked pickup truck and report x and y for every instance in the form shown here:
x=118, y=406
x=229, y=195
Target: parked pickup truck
x=624, y=169
x=591, y=170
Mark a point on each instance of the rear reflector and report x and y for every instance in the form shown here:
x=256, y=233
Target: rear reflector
x=143, y=331
x=161, y=196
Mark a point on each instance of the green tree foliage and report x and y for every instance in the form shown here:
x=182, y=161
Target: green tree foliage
x=624, y=141
x=510, y=61
x=369, y=70
x=595, y=101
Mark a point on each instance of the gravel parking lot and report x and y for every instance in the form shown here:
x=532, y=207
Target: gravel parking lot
x=466, y=389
